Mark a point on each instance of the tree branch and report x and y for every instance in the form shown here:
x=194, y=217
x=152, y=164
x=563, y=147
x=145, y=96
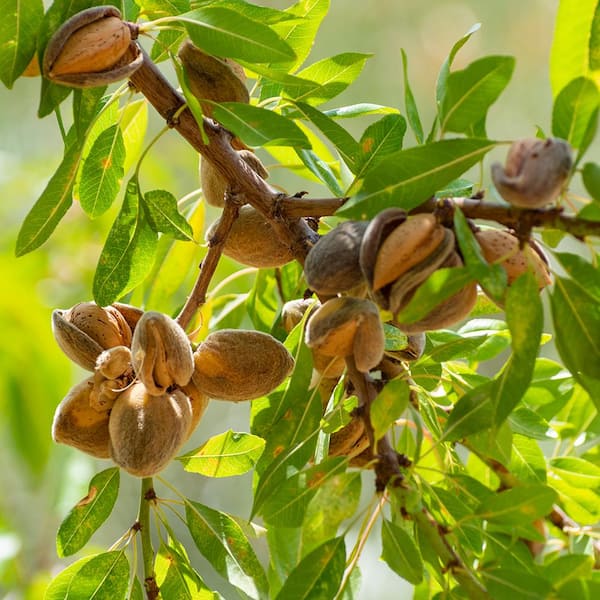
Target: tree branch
x=519, y=219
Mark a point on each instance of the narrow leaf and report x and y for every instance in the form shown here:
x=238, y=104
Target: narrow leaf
x=439, y=286
x=388, y=406
x=570, y=53
x=360, y=109
x=128, y=252
x=258, y=126
x=471, y=414
x=58, y=588
x=51, y=206
x=89, y=513
x=225, y=32
x=287, y=507
x=318, y=575
x=522, y=504
x=102, y=172
x=409, y=177
x=104, y=577
x=471, y=91
x=331, y=76
x=577, y=471
x=18, y=30
x=164, y=215
x=492, y=278
x=176, y=578
x=412, y=111
x=576, y=317
x=321, y=169
x=225, y=455
x=343, y=141
x=401, y=553
x=575, y=110
x=441, y=84
x=525, y=318
x=223, y=543
x=380, y=139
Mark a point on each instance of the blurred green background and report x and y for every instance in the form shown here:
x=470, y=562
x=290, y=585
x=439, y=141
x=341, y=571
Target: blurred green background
x=41, y=481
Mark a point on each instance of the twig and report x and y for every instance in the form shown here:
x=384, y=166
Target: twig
x=147, y=495
x=243, y=180
x=215, y=246
x=518, y=219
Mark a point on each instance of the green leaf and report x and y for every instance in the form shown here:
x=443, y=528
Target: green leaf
x=569, y=567
x=442, y=80
x=164, y=215
x=522, y=504
x=525, y=318
x=471, y=91
x=570, y=53
x=128, y=252
x=155, y=9
x=409, y=177
x=102, y=172
x=287, y=507
x=492, y=278
x=102, y=577
x=472, y=413
x=330, y=77
x=89, y=513
x=380, y=139
x=577, y=471
x=575, y=110
x=579, y=269
x=300, y=34
x=508, y=584
x=227, y=33
x=133, y=122
x=359, y=110
x=318, y=575
x=591, y=180
x=224, y=455
x=223, y=543
x=258, y=126
x=345, y=144
x=176, y=578
x=412, y=111
x=321, y=169
x=455, y=189
x=581, y=504
x=527, y=462
x=87, y=103
x=58, y=588
x=389, y=405
x=51, y=206
x=337, y=499
x=576, y=317
x=439, y=286
x=18, y=30
x=401, y=553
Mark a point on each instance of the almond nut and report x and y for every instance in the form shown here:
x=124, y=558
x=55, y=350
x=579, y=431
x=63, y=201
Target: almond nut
x=235, y=365
x=147, y=431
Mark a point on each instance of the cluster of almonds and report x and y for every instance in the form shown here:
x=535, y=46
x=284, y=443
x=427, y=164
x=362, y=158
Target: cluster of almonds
x=149, y=388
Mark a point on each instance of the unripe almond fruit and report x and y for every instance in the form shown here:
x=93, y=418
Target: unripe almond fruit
x=79, y=425
x=347, y=326
x=332, y=264
x=214, y=185
x=235, y=365
x=502, y=246
x=146, y=431
x=161, y=353
x=253, y=242
x=87, y=329
x=535, y=172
